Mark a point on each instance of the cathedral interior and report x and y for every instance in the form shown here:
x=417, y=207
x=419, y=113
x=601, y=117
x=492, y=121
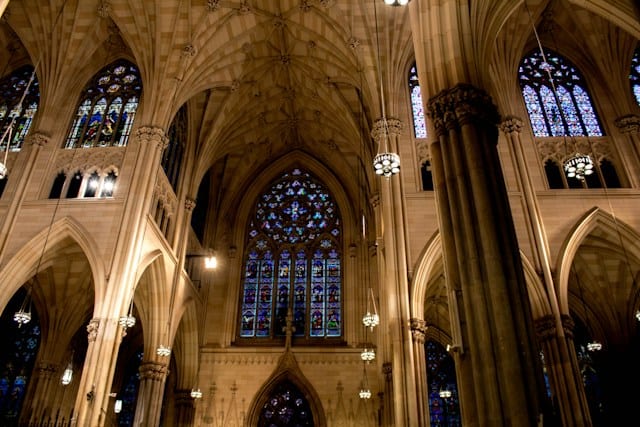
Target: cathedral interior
x=350, y=213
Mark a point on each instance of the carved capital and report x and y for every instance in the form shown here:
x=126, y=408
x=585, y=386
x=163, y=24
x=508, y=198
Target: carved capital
x=46, y=369
x=38, y=138
x=418, y=329
x=546, y=327
x=92, y=329
x=628, y=124
x=184, y=399
x=190, y=204
x=461, y=105
x=153, y=371
x=382, y=127
x=567, y=325
x=152, y=134
x=104, y=8
x=511, y=125
x=375, y=200
x=387, y=371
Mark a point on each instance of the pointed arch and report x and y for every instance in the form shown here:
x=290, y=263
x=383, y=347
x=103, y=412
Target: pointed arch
x=22, y=265
x=427, y=264
x=185, y=347
x=287, y=371
x=593, y=219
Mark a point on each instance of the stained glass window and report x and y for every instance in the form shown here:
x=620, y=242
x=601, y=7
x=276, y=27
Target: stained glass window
x=293, y=261
x=443, y=411
x=17, y=359
x=567, y=112
x=634, y=75
x=287, y=406
x=107, y=108
x=419, y=124
x=12, y=88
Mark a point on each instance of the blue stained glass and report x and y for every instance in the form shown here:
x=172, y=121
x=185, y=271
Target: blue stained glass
x=307, y=281
x=12, y=88
x=576, y=115
x=109, y=123
x=419, y=124
x=441, y=375
x=634, y=75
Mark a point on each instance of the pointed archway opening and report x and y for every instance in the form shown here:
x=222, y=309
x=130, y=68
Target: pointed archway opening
x=286, y=405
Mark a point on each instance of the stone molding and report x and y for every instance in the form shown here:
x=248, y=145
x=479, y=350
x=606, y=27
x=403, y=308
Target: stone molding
x=628, y=124
x=103, y=160
x=154, y=371
x=418, y=329
x=546, y=327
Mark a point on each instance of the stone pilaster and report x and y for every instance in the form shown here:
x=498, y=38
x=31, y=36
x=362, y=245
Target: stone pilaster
x=418, y=333
x=150, y=394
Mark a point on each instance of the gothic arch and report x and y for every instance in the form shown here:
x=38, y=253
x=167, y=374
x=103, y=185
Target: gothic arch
x=185, y=347
x=592, y=220
x=287, y=371
x=22, y=265
x=427, y=264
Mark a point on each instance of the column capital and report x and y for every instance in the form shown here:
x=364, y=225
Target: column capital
x=460, y=105
x=190, y=204
x=511, y=124
x=418, y=329
x=183, y=398
x=93, y=328
x=568, y=325
x=37, y=138
x=46, y=369
x=387, y=370
x=628, y=124
x=546, y=327
x=154, y=371
x=153, y=134
x=393, y=126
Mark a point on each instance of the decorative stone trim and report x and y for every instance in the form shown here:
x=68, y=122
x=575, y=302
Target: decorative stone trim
x=189, y=204
x=459, y=106
x=152, y=134
x=559, y=148
x=394, y=127
x=92, y=329
x=546, y=327
x=511, y=124
x=418, y=329
x=628, y=124
x=153, y=371
x=568, y=325
x=163, y=193
x=38, y=138
x=84, y=159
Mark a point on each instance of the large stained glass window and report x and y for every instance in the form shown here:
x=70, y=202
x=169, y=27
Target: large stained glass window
x=569, y=110
x=419, y=124
x=12, y=89
x=634, y=75
x=107, y=108
x=444, y=410
x=17, y=359
x=293, y=261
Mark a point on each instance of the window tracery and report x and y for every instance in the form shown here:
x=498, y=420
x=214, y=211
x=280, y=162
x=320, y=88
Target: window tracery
x=107, y=108
x=293, y=261
x=95, y=183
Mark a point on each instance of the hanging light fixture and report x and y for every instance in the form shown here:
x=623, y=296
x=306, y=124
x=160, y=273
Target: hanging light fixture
x=368, y=354
x=117, y=406
x=67, y=375
x=385, y=163
x=129, y=320
x=444, y=393
x=163, y=351
x=577, y=165
x=371, y=320
x=23, y=315
x=196, y=393
x=396, y=2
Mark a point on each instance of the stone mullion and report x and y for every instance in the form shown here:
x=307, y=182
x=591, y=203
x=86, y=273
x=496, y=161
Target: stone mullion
x=449, y=224
x=153, y=376
x=418, y=332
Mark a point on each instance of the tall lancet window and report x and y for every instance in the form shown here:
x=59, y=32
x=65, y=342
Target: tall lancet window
x=419, y=124
x=107, y=108
x=12, y=89
x=577, y=117
x=293, y=262
x=634, y=75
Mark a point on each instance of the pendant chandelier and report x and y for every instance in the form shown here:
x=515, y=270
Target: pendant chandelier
x=23, y=315
x=385, y=163
x=67, y=375
x=129, y=320
x=196, y=393
x=396, y=2
x=371, y=320
x=365, y=391
x=578, y=166
x=163, y=351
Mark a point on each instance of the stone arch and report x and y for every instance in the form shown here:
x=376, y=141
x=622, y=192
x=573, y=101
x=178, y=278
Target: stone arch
x=22, y=265
x=592, y=220
x=185, y=347
x=426, y=266
x=287, y=371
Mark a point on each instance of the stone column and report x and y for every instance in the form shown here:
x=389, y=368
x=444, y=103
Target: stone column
x=150, y=393
x=418, y=332
x=185, y=408
x=569, y=401
x=387, y=397
x=497, y=357
x=394, y=284
x=560, y=360
x=40, y=392
x=629, y=126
